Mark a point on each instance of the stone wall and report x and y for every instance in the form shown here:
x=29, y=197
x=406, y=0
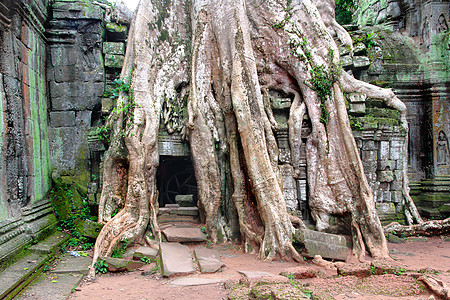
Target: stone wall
x=414, y=59
x=75, y=76
x=25, y=213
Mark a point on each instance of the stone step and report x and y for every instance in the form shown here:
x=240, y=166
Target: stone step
x=175, y=259
x=21, y=273
x=184, y=234
x=51, y=244
x=175, y=213
x=59, y=281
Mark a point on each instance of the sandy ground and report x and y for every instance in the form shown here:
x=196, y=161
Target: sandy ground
x=433, y=254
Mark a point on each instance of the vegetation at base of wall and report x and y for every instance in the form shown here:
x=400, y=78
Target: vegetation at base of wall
x=117, y=86
x=101, y=132
x=70, y=208
x=344, y=11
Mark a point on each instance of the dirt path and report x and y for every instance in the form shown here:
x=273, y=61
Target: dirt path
x=432, y=254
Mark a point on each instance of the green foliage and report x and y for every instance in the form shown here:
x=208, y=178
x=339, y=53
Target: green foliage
x=114, y=213
x=205, y=231
x=63, y=193
x=101, y=266
x=322, y=81
x=120, y=249
x=344, y=11
x=400, y=272
x=101, y=132
x=118, y=85
x=368, y=39
x=373, y=270
x=147, y=260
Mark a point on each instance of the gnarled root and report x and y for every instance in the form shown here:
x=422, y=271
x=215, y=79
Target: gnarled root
x=428, y=228
x=436, y=286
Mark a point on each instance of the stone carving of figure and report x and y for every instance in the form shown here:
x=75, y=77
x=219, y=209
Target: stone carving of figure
x=442, y=149
x=442, y=24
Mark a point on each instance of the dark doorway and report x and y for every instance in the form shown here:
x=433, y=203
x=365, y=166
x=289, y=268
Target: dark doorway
x=175, y=177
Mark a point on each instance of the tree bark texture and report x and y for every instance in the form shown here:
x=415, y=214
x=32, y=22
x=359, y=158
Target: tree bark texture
x=225, y=56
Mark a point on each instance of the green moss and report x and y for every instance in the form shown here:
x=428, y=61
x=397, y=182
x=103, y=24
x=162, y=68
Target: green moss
x=377, y=112
x=113, y=27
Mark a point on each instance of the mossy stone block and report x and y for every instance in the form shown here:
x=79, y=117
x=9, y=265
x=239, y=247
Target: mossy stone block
x=89, y=228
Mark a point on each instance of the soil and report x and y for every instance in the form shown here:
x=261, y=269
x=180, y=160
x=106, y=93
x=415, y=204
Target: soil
x=423, y=255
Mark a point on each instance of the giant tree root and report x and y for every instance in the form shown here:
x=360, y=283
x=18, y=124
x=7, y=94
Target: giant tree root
x=429, y=228
x=436, y=286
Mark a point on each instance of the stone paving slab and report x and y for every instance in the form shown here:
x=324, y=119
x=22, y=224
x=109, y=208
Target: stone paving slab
x=50, y=244
x=193, y=281
x=175, y=259
x=72, y=264
x=184, y=235
x=208, y=260
x=51, y=286
x=255, y=274
x=19, y=272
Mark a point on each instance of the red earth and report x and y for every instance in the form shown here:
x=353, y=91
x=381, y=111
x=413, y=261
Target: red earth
x=432, y=254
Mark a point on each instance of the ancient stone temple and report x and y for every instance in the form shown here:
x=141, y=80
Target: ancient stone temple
x=61, y=59
x=414, y=60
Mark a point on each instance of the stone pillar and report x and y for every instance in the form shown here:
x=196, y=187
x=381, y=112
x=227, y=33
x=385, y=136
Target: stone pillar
x=76, y=80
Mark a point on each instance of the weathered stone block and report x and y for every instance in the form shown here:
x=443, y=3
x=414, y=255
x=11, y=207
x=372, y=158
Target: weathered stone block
x=180, y=235
x=116, y=28
x=386, y=211
x=114, y=61
x=119, y=265
x=107, y=105
x=383, y=150
x=359, y=48
x=77, y=10
x=64, y=55
x=361, y=61
x=280, y=103
x=357, y=108
x=187, y=211
x=113, y=48
x=325, y=244
x=175, y=259
x=62, y=118
x=145, y=252
x=344, y=50
x=208, y=260
x=396, y=153
x=369, y=145
x=185, y=200
x=289, y=186
x=90, y=228
x=346, y=61
x=76, y=95
x=385, y=165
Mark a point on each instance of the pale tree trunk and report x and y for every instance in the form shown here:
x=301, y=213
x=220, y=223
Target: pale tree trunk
x=227, y=56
